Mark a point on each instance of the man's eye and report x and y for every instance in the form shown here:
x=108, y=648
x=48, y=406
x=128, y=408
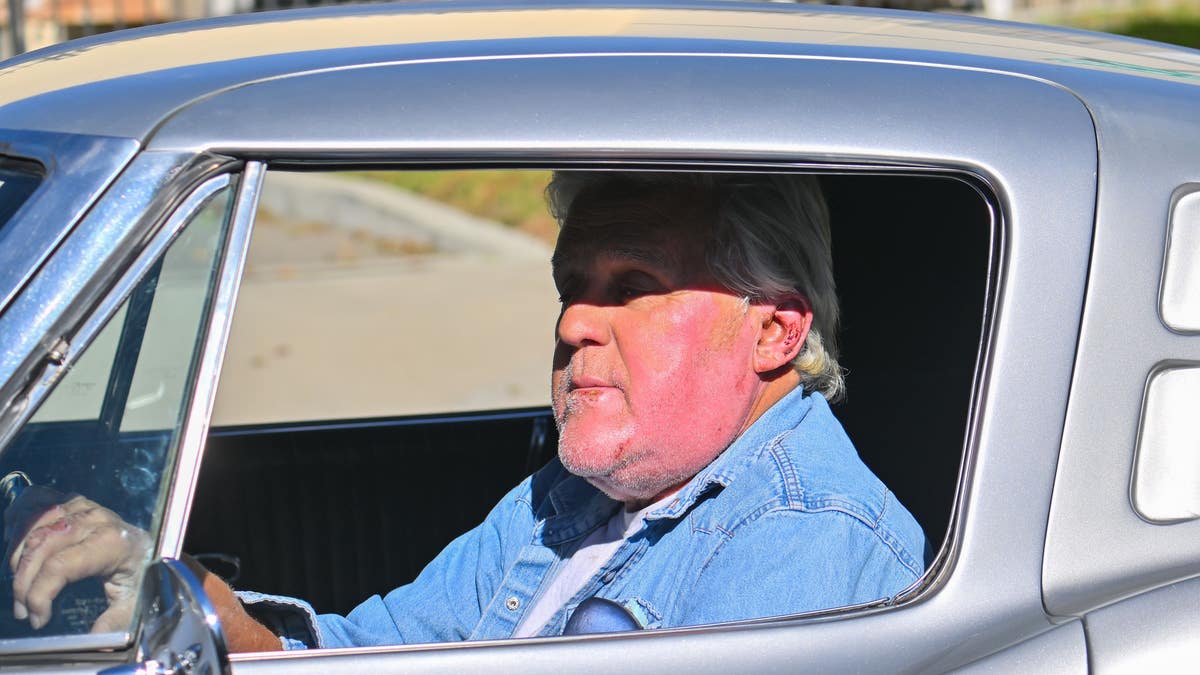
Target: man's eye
x=631, y=291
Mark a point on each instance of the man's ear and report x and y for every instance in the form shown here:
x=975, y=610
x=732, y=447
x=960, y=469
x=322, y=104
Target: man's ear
x=784, y=329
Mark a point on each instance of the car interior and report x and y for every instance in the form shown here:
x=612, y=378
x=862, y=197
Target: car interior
x=333, y=511
x=333, y=508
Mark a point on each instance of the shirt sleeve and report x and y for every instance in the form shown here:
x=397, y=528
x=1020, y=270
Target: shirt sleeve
x=444, y=602
x=788, y=561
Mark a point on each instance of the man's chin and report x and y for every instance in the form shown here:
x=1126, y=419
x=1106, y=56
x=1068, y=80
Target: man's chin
x=595, y=470
x=612, y=489
x=613, y=481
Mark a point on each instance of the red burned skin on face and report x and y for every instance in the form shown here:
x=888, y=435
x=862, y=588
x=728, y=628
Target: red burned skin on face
x=654, y=372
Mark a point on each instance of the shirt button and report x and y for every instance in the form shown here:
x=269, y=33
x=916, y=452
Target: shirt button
x=609, y=577
x=513, y=603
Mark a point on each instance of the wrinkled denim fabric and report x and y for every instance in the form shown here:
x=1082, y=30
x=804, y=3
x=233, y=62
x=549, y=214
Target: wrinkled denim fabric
x=786, y=520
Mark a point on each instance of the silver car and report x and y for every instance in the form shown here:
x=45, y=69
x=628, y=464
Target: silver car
x=231, y=312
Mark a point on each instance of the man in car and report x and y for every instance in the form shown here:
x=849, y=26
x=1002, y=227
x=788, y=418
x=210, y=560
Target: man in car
x=701, y=476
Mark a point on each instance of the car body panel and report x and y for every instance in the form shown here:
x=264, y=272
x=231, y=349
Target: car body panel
x=408, y=103
x=1123, y=640
x=185, y=63
x=78, y=169
x=1098, y=548
x=1082, y=140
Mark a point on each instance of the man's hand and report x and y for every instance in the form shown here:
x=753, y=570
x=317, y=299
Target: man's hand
x=75, y=540
x=79, y=539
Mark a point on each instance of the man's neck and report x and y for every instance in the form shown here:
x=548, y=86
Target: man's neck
x=773, y=392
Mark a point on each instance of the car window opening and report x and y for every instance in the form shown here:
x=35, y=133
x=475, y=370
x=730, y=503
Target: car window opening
x=359, y=450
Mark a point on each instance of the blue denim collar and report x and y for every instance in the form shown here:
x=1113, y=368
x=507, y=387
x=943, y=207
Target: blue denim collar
x=782, y=417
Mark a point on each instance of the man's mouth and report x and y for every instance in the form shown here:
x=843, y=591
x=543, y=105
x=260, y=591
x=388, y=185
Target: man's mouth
x=588, y=382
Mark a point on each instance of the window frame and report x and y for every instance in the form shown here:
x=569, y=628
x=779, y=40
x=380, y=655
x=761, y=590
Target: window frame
x=946, y=551
x=162, y=215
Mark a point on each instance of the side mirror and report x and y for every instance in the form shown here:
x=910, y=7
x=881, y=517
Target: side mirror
x=180, y=632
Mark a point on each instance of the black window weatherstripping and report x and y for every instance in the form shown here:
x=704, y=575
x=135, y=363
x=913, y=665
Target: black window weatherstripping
x=18, y=179
x=160, y=202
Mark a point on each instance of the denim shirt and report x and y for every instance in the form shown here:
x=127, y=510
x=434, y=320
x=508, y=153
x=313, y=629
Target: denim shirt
x=785, y=520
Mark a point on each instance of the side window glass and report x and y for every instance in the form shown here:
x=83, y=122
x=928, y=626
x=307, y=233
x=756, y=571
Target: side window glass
x=108, y=429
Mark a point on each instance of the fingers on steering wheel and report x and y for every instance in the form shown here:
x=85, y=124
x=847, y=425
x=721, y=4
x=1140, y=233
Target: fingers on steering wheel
x=77, y=561
x=67, y=543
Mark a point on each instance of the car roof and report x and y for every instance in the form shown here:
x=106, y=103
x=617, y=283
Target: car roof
x=130, y=81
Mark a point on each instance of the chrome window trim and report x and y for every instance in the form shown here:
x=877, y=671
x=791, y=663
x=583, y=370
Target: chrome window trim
x=64, y=643
x=83, y=336
x=77, y=170
x=947, y=552
x=95, y=322
x=204, y=393
x=40, y=326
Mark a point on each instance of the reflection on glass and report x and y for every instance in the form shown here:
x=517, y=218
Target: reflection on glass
x=106, y=430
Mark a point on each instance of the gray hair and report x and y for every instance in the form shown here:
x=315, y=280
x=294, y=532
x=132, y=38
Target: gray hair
x=769, y=238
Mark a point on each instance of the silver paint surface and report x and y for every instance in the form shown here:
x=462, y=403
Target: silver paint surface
x=78, y=169
x=1071, y=131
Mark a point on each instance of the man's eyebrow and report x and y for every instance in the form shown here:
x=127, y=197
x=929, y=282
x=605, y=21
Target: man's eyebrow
x=658, y=256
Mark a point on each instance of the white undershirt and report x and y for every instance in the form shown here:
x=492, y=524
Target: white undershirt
x=583, y=564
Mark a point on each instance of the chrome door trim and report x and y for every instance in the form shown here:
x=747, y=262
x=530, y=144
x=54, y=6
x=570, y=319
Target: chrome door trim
x=16, y=415
x=40, y=326
x=84, y=642
x=23, y=407
x=78, y=169
x=204, y=393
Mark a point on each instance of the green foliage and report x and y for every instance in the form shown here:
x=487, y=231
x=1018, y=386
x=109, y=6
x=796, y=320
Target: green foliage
x=1176, y=28
x=514, y=198
x=1179, y=24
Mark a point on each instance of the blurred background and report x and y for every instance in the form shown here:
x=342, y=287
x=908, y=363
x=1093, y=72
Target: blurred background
x=30, y=24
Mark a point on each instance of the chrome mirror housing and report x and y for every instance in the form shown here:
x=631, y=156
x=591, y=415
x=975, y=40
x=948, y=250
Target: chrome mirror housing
x=180, y=630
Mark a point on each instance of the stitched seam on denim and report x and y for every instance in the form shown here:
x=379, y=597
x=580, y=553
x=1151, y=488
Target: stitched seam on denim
x=792, y=489
x=883, y=534
x=650, y=609
x=725, y=539
x=892, y=542
x=882, y=510
x=630, y=563
x=730, y=533
x=852, y=508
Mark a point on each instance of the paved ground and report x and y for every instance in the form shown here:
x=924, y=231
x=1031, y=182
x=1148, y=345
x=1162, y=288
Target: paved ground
x=362, y=300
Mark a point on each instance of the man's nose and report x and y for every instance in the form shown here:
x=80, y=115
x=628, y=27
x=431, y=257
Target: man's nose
x=583, y=323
